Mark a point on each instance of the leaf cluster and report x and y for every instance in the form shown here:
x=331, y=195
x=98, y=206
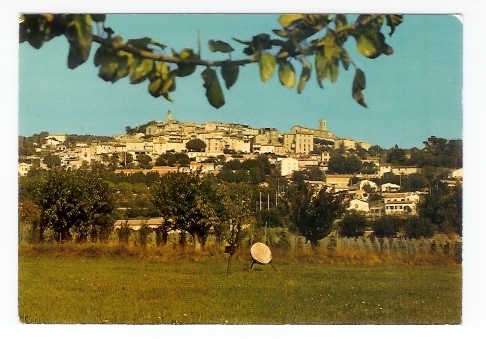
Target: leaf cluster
x=301, y=38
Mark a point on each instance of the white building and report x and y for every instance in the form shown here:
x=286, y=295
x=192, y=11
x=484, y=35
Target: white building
x=287, y=166
x=359, y=205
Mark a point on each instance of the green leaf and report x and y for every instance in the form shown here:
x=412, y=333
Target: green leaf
x=140, y=69
x=340, y=21
x=261, y=42
x=359, y=84
x=184, y=70
x=279, y=43
x=304, y=77
x=322, y=66
x=286, y=74
x=392, y=21
x=140, y=43
x=78, y=34
x=334, y=71
x=169, y=83
x=123, y=68
x=229, y=72
x=154, y=87
x=267, y=64
x=368, y=44
x=287, y=20
x=143, y=43
x=219, y=46
x=345, y=59
x=214, y=93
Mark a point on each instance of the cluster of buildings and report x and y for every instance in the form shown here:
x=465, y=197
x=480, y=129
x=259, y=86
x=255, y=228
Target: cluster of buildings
x=291, y=152
x=220, y=138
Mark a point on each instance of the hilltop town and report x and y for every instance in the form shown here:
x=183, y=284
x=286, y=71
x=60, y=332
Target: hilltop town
x=162, y=147
x=171, y=136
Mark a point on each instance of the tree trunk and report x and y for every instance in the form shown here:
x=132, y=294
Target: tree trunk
x=182, y=239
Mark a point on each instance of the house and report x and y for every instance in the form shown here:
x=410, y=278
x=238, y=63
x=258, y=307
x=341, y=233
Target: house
x=24, y=168
x=405, y=170
x=401, y=207
x=347, y=143
x=338, y=181
x=371, y=184
x=405, y=196
x=287, y=166
x=360, y=194
x=359, y=205
x=457, y=174
x=389, y=187
x=136, y=224
x=205, y=167
x=298, y=142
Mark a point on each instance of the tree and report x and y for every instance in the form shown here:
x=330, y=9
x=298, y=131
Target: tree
x=114, y=161
x=396, y=156
x=29, y=215
x=311, y=212
x=188, y=201
x=52, y=160
x=196, y=145
x=415, y=227
x=173, y=159
x=443, y=208
x=337, y=164
x=144, y=161
x=75, y=200
x=234, y=209
x=126, y=160
x=353, y=224
x=387, y=226
x=303, y=38
x=344, y=165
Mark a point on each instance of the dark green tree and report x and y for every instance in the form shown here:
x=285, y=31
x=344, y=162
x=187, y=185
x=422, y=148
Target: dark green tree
x=415, y=227
x=387, y=226
x=196, y=145
x=337, y=164
x=443, y=208
x=396, y=156
x=353, y=224
x=51, y=160
x=144, y=161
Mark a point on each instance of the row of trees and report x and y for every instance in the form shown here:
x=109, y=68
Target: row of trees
x=83, y=202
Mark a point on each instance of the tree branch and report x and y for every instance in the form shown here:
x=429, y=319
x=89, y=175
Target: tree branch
x=166, y=58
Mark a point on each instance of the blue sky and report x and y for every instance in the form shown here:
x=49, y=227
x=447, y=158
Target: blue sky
x=412, y=94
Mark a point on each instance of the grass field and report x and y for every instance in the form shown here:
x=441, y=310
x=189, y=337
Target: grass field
x=69, y=289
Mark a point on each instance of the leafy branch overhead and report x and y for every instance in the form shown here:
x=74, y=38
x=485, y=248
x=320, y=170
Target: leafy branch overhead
x=311, y=43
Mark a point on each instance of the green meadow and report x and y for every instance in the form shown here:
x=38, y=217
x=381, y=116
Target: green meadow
x=68, y=288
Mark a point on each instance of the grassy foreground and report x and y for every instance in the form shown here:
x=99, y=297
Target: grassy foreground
x=68, y=289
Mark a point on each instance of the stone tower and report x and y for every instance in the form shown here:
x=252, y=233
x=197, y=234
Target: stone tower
x=169, y=117
x=322, y=125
